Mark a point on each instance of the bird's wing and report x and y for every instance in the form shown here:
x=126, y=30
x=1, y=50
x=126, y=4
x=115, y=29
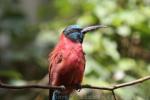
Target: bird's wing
x=55, y=58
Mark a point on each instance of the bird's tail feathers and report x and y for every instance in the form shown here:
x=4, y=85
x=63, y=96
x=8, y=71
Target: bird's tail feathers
x=57, y=95
x=50, y=94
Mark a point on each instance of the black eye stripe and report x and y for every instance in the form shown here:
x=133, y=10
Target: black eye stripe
x=73, y=30
x=74, y=34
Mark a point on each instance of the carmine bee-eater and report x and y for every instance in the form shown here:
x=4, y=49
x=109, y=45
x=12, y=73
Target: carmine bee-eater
x=67, y=61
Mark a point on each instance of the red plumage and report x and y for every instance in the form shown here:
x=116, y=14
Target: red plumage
x=67, y=64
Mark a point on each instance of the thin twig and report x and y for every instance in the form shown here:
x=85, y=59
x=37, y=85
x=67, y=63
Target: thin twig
x=132, y=82
x=118, y=85
x=110, y=88
x=115, y=98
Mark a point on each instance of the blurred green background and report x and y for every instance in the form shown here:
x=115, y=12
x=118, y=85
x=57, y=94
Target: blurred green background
x=29, y=29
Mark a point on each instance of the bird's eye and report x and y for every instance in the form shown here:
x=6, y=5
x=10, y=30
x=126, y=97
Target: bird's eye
x=79, y=36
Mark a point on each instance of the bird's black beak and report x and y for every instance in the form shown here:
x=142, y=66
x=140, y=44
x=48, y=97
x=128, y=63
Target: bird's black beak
x=92, y=28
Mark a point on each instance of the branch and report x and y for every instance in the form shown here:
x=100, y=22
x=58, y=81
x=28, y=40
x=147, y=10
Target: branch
x=110, y=88
x=7, y=86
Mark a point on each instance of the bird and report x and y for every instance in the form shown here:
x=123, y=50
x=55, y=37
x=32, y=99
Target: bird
x=67, y=61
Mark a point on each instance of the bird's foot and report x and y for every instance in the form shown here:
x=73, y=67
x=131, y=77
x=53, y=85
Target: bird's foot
x=78, y=87
x=63, y=87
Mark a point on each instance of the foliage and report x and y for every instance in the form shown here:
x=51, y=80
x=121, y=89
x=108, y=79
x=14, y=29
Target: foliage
x=120, y=53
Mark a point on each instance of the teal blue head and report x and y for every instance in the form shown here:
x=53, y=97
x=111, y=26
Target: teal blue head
x=76, y=33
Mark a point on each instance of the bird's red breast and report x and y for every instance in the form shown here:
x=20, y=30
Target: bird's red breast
x=67, y=63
